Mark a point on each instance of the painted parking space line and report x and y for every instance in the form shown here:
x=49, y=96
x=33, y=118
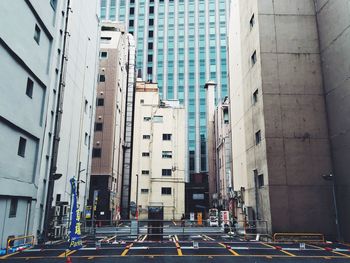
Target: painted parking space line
x=67, y=253
x=9, y=255
x=332, y=251
x=144, y=238
x=229, y=249
x=126, y=250
x=208, y=237
x=282, y=250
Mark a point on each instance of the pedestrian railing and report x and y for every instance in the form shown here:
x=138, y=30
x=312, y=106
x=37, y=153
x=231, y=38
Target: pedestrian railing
x=19, y=243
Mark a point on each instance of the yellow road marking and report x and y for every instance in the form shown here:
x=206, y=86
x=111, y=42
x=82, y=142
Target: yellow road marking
x=9, y=255
x=335, y=252
x=178, y=248
x=67, y=253
x=229, y=249
x=283, y=251
x=126, y=250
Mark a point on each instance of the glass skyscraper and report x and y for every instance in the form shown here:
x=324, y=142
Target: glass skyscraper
x=181, y=44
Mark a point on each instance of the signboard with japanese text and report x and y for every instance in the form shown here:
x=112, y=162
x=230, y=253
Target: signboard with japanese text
x=74, y=233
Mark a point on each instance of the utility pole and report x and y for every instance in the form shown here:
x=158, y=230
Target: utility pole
x=137, y=197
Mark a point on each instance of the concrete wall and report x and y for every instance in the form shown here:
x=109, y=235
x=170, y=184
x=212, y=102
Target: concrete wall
x=173, y=123
x=333, y=17
x=289, y=111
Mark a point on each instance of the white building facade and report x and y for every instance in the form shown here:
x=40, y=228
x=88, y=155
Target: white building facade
x=158, y=167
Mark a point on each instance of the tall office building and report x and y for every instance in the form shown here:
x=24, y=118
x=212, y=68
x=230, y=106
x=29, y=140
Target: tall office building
x=180, y=45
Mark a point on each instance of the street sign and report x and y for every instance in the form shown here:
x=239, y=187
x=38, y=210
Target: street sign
x=88, y=212
x=192, y=216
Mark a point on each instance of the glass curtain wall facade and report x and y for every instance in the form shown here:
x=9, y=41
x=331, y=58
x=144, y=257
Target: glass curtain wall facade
x=181, y=44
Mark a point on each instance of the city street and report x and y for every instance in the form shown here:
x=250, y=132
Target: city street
x=175, y=248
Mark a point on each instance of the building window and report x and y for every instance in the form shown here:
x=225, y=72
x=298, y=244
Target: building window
x=167, y=154
x=255, y=96
x=150, y=58
x=22, y=147
x=158, y=119
x=103, y=54
x=132, y=10
x=100, y=102
x=145, y=154
x=146, y=137
x=166, y=190
x=257, y=137
x=260, y=180
x=150, y=46
x=147, y=118
x=166, y=172
x=145, y=172
x=166, y=137
x=98, y=126
x=144, y=191
x=131, y=22
x=86, y=106
x=96, y=152
x=253, y=58
x=151, y=9
x=86, y=141
x=37, y=33
x=252, y=22
x=151, y=21
x=150, y=33
x=102, y=78
x=142, y=101
x=29, y=89
x=149, y=70
x=13, y=207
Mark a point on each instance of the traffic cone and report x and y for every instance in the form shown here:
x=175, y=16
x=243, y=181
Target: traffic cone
x=68, y=260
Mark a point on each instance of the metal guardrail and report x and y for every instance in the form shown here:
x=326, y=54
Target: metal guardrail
x=25, y=243
x=298, y=237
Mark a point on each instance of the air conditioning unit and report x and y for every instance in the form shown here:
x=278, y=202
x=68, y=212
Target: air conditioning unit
x=57, y=210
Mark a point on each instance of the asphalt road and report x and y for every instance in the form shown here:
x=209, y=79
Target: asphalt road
x=213, y=248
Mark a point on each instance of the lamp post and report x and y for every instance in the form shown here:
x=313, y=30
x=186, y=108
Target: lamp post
x=330, y=177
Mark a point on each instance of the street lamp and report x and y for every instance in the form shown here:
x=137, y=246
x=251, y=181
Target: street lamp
x=330, y=177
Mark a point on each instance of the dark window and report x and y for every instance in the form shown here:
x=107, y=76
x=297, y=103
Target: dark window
x=103, y=54
x=166, y=172
x=102, y=78
x=150, y=33
x=166, y=191
x=253, y=58
x=151, y=9
x=142, y=101
x=255, y=96
x=151, y=21
x=149, y=70
x=145, y=172
x=257, y=137
x=150, y=45
x=131, y=22
x=146, y=137
x=167, y=154
x=252, y=22
x=98, y=126
x=150, y=58
x=58, y=198
x=147, y=118
x=37, y=33
x=96, y=152
x=144, y=191
x=22, y=146
x=13, y=207
x=145, y=154
x=260, y=180
x=166, y=137
x=100, y=102
x=132, y=10
x=132, y=1
x=29, y=89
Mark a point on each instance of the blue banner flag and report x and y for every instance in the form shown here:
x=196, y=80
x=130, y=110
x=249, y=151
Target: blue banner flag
x=74, y=235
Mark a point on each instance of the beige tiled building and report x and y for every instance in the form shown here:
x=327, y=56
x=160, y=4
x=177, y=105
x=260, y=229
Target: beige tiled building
x=158, y=177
